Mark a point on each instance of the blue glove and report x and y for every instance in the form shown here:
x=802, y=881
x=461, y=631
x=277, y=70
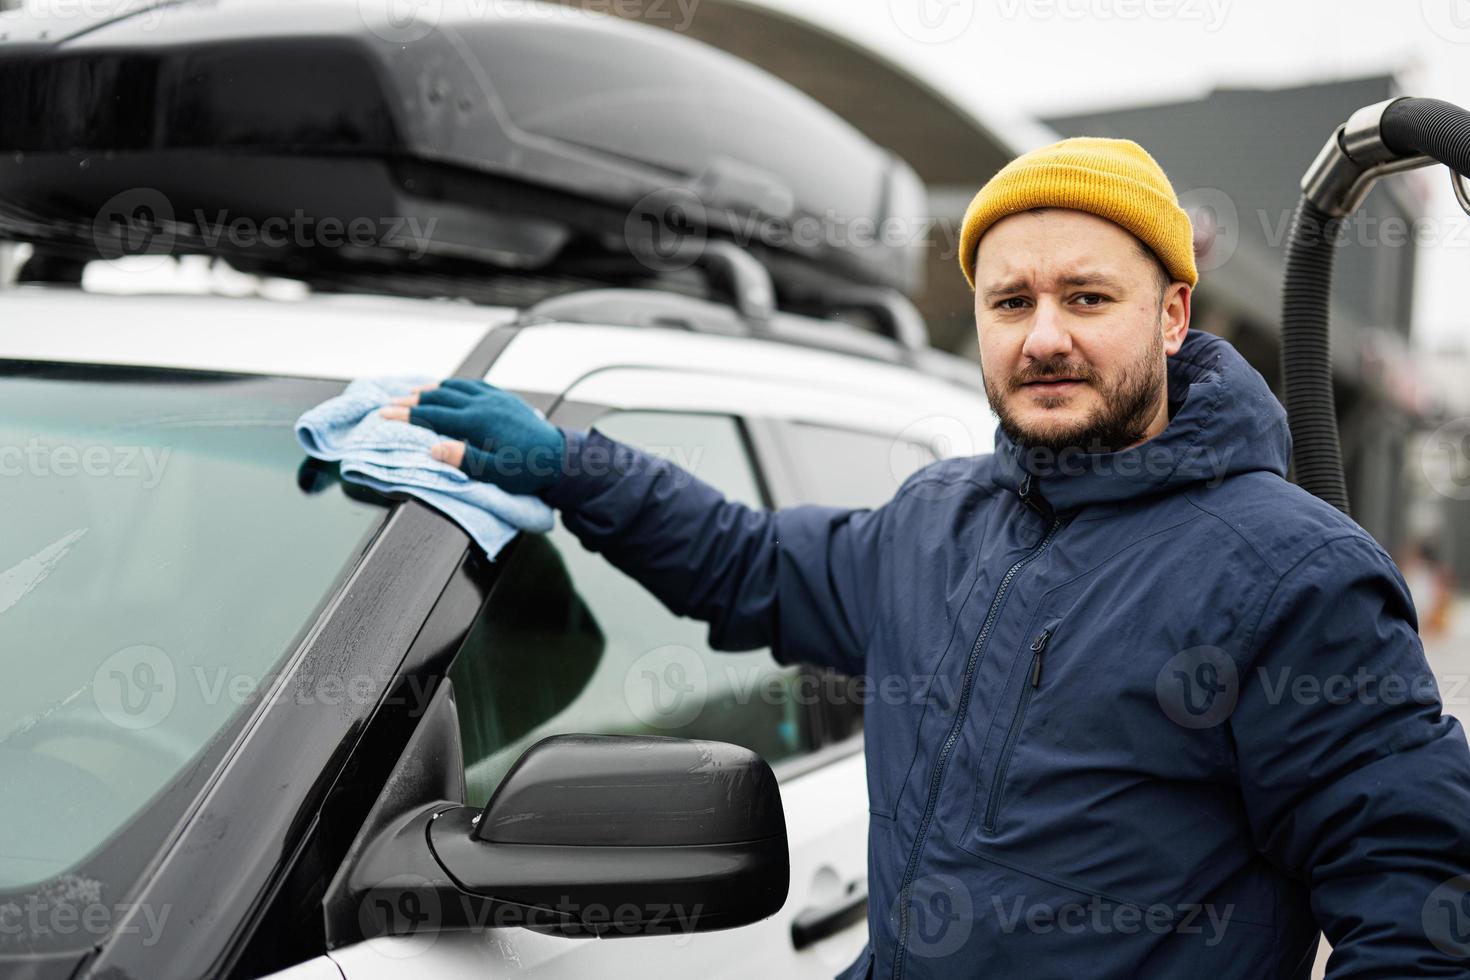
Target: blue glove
x=506, y=442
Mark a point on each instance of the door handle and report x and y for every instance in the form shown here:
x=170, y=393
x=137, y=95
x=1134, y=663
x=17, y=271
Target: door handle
x=820, y=921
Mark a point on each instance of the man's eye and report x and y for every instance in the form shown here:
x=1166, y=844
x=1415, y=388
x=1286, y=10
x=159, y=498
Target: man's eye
x=1101, y=299
x=1010, y=299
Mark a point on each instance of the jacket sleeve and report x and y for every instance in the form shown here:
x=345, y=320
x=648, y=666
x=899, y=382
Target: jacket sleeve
x=802, y=580
x=1353, y=780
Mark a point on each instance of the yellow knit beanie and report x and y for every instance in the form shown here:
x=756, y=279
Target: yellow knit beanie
x=1111, y=178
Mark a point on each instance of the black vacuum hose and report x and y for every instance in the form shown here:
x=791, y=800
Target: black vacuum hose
x=1431, y=126
x=1306, y=356
x=1409, y=127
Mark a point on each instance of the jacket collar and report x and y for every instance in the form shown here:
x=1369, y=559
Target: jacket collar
x=1225, y=421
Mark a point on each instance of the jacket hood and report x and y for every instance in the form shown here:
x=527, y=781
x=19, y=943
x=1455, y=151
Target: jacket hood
x=1226, y=421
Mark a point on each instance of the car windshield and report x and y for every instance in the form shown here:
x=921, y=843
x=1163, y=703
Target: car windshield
x=164, y=544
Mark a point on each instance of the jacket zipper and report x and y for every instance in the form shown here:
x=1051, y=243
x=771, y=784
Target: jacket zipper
x=1038, y=647
x=1035, y=502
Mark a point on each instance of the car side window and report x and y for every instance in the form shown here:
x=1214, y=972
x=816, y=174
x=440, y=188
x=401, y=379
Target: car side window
x=568, y=643
x=851, y=468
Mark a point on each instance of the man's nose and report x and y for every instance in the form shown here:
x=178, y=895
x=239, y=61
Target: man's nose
x=1048, y=337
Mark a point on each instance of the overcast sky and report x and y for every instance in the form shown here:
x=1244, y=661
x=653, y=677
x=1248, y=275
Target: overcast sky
x=1038, y=57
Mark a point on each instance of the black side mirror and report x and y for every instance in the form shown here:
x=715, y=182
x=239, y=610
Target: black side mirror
x=590, y=835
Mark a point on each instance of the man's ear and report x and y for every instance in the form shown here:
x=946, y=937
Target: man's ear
x=1174, y=316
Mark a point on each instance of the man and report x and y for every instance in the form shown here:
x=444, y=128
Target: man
x=1175, y=715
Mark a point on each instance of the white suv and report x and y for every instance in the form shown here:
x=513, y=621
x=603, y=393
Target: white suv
x=227, y=650
x=247, y=698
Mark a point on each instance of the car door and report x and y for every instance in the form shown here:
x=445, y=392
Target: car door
x=812, y=444
x=567, y=643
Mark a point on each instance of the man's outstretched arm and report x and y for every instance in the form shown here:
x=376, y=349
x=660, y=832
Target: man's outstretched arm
x=802, y=580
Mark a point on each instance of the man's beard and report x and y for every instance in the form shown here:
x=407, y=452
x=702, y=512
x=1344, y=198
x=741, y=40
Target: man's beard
x=1123, y=420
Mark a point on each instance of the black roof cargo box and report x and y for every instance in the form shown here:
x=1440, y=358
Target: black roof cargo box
x=518, y=135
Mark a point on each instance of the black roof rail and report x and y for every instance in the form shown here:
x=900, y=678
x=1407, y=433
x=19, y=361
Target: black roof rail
x=747, y=284
x=657, y=308
x=894, y=315
x=630, y=307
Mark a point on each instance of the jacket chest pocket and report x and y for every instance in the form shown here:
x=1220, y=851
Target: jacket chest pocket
x=1085, y=729
x=1025, y=680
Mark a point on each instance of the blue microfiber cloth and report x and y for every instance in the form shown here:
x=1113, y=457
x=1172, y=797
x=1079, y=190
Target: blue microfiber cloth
x=393, y=456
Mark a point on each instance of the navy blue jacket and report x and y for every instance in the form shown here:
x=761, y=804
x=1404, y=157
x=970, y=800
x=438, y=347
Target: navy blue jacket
x=1154, y=713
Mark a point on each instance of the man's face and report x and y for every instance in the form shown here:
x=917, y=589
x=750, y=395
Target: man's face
x=1073, y=331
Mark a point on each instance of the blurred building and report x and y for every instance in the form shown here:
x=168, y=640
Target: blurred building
x=1237, y=157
